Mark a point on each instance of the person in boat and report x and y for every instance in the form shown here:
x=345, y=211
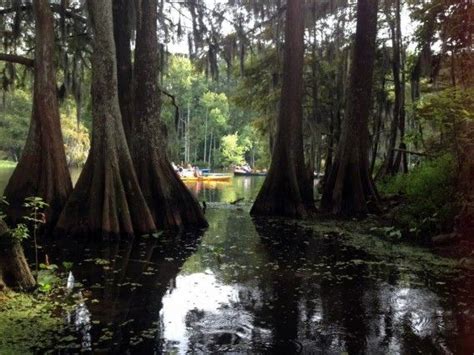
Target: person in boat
x=197, y=171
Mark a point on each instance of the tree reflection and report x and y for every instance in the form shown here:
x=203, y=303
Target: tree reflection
x=125, y=286
x=264, y=287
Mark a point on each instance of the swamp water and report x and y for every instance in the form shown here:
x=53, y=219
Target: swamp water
x=265, y=286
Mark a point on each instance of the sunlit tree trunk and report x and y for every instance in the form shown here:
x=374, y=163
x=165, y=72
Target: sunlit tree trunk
x=42, y=170
x=286, y=190
x=349, y=187
x=107, y=199
x=171, y=203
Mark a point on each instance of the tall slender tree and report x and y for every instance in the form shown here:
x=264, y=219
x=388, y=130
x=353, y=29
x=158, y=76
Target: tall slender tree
x=286, y=190
x=171, y=203
x=349, y=186
x=107, y=198
x=42, y=170
x=396, y=161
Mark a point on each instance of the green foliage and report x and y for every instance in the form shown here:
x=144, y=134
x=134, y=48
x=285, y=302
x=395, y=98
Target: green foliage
x=232, y=152
x=15, y=123
x=36, y=206
x=76, y=138
x=429, y=196
x=213, y=113
x=48, y=278
x=67, y=265
x=441, y=115
x=36, y=217
x=217, y=106
x=20, y=232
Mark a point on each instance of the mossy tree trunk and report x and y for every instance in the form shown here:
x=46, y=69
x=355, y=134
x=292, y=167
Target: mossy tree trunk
x=107, y=199
x=349, y=186
x=42, y=170
x=14, y=270
x=171, y=203
x=287, y=191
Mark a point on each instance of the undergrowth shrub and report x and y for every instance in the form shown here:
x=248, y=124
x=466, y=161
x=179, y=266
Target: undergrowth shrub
x=428, y=192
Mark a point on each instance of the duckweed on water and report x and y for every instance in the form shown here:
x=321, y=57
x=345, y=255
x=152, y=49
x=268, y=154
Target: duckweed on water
x=359, y=236
x=29, y=323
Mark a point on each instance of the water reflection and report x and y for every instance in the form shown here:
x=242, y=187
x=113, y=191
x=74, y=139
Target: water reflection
x=262, y=286
x=243, y=188
x=281, y=289
x=123, y=285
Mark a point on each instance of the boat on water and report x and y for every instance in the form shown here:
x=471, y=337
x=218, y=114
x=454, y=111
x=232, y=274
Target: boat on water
x=207, y=178
x=261, y=173
x=248, y=173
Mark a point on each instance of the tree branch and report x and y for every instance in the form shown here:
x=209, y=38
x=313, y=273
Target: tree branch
x=55, y=7
x=173, y=102
x=412, y=152
x=12, y=58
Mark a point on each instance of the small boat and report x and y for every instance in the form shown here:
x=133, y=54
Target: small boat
x=248, y=173
x=208, y=178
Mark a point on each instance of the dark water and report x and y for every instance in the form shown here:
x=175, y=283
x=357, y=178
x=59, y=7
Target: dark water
x=263, y=286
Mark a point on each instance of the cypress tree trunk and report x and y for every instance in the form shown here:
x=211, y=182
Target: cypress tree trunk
x=14, y=270
x=349, y=186
x=42, y=170
x=287, y=189
x=123, y=12
x=396, y=162
x=107, y=199
x=171, y=203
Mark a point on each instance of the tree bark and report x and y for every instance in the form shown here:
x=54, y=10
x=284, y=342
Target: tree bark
x=42, y=170
x=122, y=16
x=107, y=199
x=14, y=270
x=286, y=190
x=377, y=126
x=396, y=162
x=171, y=203
x=349, y=186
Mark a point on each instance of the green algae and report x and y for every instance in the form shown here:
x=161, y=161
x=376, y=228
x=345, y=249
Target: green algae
x=30, y=323
x=364, y=235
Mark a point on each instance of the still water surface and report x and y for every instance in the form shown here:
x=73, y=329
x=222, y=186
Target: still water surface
x=261, y=286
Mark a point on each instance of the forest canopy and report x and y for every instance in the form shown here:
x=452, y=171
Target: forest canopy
x=233, y=86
